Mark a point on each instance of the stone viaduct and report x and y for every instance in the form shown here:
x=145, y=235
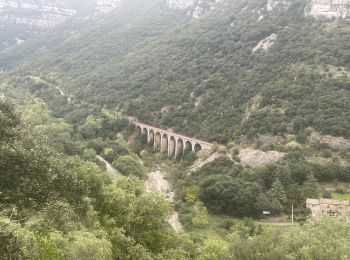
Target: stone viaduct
x=170, y=143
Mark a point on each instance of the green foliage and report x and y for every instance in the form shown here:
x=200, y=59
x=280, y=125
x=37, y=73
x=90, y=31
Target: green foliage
x=212, y=249
x=59, y=207
x=311, y=188
x=129, y=165
x=139, y=61
x=301, y=138
x=191, y=193
x=310, y=241
x=9, y=120
x=90, y=128
x=226, y=188
x=326, y=195
x=298, y=78
x=277, y=191
x=200, y=215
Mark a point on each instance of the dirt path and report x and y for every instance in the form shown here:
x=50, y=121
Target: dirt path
x=156, y=180
x=109, y=167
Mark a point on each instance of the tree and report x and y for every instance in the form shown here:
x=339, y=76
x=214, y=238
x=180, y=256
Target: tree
x=309, y=241
x=276, y=206
x=90, y=127
x=277, y=191
x=248, y=229
x=262, y=203
x=191, y=193
x=212, y=249
x=200, y=215
x=326, y=194
x=8, y=119
x=311, y=187
x=128, y=165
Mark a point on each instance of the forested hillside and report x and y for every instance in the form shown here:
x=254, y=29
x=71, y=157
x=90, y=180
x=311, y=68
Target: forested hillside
x=266, y=81
x=55, y=206
x=208, y=77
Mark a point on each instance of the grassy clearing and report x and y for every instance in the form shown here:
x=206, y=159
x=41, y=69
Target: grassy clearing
x=220, y=226
x=341, y=196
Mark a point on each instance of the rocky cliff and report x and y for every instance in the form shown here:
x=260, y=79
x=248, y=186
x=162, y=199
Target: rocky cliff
x=105, y=6
x=195, y=8
x=318, y=8
x=22, y=19
x=49, y=13
x=271, y=4
x=42, y=14
x=180, y=4
x=328, y=8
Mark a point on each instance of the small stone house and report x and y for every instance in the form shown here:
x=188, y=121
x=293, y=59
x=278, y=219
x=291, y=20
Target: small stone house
x=328, y=207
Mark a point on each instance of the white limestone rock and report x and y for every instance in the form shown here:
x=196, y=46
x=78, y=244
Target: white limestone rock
x=271, y=4
x=49, y=13
x=42, y=14
x=328, y=8
x=180, y=4
x=255, y=158
x=266, y=43
x=196, y=8
x=106, y=6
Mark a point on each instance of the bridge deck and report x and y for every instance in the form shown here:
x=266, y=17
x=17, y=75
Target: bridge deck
x=171, y=133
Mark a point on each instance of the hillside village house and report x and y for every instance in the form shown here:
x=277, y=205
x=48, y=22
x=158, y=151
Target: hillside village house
x=328, y=207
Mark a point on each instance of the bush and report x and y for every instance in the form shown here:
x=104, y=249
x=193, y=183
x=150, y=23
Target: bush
x=128, y=165
x=326, y=153
x=301, y=138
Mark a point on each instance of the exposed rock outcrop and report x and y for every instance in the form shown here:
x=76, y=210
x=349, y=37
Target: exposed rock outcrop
x=266, y=43
x=106, y=6
x=332, y=141
x=196, y=8
x=180, y=4
x=271, y=4
x=328, y=8
x=42, y=14
x=49, y=13
x=255, y=158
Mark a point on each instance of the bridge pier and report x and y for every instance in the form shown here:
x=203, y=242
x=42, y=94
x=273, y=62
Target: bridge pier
x=164, y=146
x=171, y=144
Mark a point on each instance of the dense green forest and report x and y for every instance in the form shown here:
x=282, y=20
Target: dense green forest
x=64, y=98
x=201, y=77
x=227, y=188
x=59, y=206
x=55, y=206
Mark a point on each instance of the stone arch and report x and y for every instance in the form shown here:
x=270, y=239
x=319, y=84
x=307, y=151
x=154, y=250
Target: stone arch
x=197, y=147
x=179, y=148
x=150, y=140
x=157, y=141
x=144, y=135
x=171, y=146
x=188, y=147
x=164, y=146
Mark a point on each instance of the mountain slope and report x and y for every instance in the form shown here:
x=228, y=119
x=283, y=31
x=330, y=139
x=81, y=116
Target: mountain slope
x=245, y=68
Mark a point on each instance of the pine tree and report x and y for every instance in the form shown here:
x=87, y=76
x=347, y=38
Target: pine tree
x=276, y=206
x=277, y=192
x=310, y=187
x=262, y=203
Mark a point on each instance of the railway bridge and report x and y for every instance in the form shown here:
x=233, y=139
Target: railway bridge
x=170, y=143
